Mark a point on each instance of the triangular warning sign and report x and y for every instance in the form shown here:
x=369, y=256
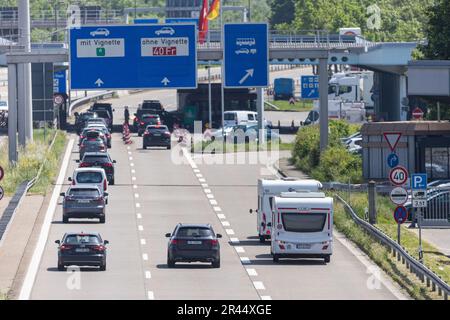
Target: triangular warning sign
x=392, y=139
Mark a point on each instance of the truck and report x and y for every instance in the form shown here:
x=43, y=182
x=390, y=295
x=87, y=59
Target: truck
x=352, y=86
x=302, y=226
x=284, y=89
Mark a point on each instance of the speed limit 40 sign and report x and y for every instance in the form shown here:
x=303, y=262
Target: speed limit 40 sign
x=398, y=176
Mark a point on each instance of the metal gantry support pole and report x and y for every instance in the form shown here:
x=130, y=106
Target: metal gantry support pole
x=12, y=113
x=323, y=118
x=260, y=110
x=25, y=113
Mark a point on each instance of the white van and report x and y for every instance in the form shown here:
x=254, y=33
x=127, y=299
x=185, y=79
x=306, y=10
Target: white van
x=267, y=190
x=89, y=177
x=236, y=118
x=302, y=226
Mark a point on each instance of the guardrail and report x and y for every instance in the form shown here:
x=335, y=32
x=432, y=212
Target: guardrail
x=80, y=102
x=421, y=271
x=18, y=197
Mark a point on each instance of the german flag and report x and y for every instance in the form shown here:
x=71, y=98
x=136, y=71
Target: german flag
x=214, y=11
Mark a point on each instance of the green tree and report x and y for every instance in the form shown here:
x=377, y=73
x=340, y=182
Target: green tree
x=282, y=11
x=438, y=31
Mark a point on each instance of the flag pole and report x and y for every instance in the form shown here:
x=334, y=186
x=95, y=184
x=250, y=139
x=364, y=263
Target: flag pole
x=223, y=66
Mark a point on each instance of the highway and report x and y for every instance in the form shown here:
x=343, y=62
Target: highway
x=152, y=194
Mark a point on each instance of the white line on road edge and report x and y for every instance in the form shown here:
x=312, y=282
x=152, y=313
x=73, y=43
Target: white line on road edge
x=30, y=277
x=150, y=295
x=362, y=257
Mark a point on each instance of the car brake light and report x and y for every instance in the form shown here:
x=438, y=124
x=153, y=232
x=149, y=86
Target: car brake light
x=99, y=248
x=142, y=123
x=146, y=133
x=65, y=247
x=108, y=164
x=214, y=242
x=82, y=145
x=174, y=242
x=84, y=164
x=105, y=185
x=167, y=134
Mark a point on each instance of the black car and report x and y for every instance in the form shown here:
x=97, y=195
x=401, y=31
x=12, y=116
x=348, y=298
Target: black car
x=82, y=249
x=84, y=202
x=81, y=120
x=99, y=160
x=92, y=144
x=156, y=136
x=148, y=120
x=105, y=111
x=193, y=243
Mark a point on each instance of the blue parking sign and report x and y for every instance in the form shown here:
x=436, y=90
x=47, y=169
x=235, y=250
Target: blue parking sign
x=419, y=181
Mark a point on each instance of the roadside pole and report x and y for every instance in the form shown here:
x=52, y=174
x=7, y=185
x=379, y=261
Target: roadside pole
x=323, y=92
x=260, y=110
x=420, y=234
x=209, y=84
x=12, y=113
x=223, y=70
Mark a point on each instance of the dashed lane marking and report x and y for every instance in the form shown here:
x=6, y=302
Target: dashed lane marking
x=150, y=295
x=143, y=242
x=148, y=275
x=234, y=240
x=229, y=231
x=259, y=285
x=251, y=272
x=266, y=298
x=221, y=216
x=245, y=260
x=225, y=223
x=217, y=209
x=140, y=228
x=239, y=249
x=145, y=257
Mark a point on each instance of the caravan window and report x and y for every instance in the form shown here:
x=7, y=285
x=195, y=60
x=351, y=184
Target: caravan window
x=271, y=203
x=304, y=222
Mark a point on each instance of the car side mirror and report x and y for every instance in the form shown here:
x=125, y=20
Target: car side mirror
x=168, y=235
x=250, y=211
x=114, y=161
x=69, y=179
x=106, y=242
x=77, y=161
x=58, y=242
x=135, y=114
x=218, y=236
x=106, y=194
x=62, y=194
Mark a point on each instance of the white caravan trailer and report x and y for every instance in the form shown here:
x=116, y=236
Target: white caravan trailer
x=267, y=190
x=302, y=226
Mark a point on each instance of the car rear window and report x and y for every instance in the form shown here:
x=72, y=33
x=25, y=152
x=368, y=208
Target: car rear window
x=152, y=106
x=103, y=114
x=304, y=222
x=89, y=177
x=230, y=116
x=84, y=192
x=194, y=232
x=96, y=158
x=81, y=239
x=158, y=129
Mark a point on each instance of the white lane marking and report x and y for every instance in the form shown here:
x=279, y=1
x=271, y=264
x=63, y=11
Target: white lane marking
x=199, y=175
x=213, y=202
x=150, y=295
x=148, y=275
x=239, y=249
x=221, y=216
x=129, y=152
x=204, y=185
x=139, y=216
x=138, y=205
x=362, y=257
x=266, y=298
x=143, y=242
x=225, y=223
x=131, y=158
x=196, y=170
x=136, y=195
x=33, y=268
x=135, y=186
x=140, y=228
x=229, y=231
x=217, y=209
x=133, y=178
x=128, y=148
x=234, y=240
x=210, y=196
x=259, y=285
x=252, y=272
x=202, y=180
x=245, y=260
x=207, y=190
x=133, y=171
x=132, y=164
x=145, y=256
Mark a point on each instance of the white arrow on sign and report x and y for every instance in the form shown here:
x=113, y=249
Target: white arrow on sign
x=249, y=74
x=165, y=81
x=99, y=82
x=311, y=93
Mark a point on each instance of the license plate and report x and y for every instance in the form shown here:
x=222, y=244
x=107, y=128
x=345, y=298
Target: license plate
x=81, y=250
x=157, y=135
x=83, y=201
x=194, y=242
x=304, y=246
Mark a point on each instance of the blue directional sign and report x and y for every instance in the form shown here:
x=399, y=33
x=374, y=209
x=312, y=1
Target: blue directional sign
x=133, y=57
x=182, y=20
x=146, y=21
x=393, y=160
x=246, y=55
x=419, y=181
x=60, y=81
x=310, y=87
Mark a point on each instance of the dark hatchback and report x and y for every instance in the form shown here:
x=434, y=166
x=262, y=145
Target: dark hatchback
x=148, y=120
x=156, y=136
x=193, y=243
x=99, y=160
x=82, y=249
x=84, y=202
x=92, y=144
x=82, y=119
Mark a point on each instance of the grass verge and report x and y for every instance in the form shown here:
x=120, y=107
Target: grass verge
x=382, y=257
x=299, y=106
x=30, y=160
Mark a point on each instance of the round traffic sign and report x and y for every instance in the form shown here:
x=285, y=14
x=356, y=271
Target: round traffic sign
x=398, y=176
x=2, y=193
x=393, y=160
x=2, y=173
x=400, y=215
x=58, y=99
x=399, y=196
x=417, y=113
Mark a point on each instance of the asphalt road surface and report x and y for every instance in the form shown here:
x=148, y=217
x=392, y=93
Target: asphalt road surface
x=152, y=194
